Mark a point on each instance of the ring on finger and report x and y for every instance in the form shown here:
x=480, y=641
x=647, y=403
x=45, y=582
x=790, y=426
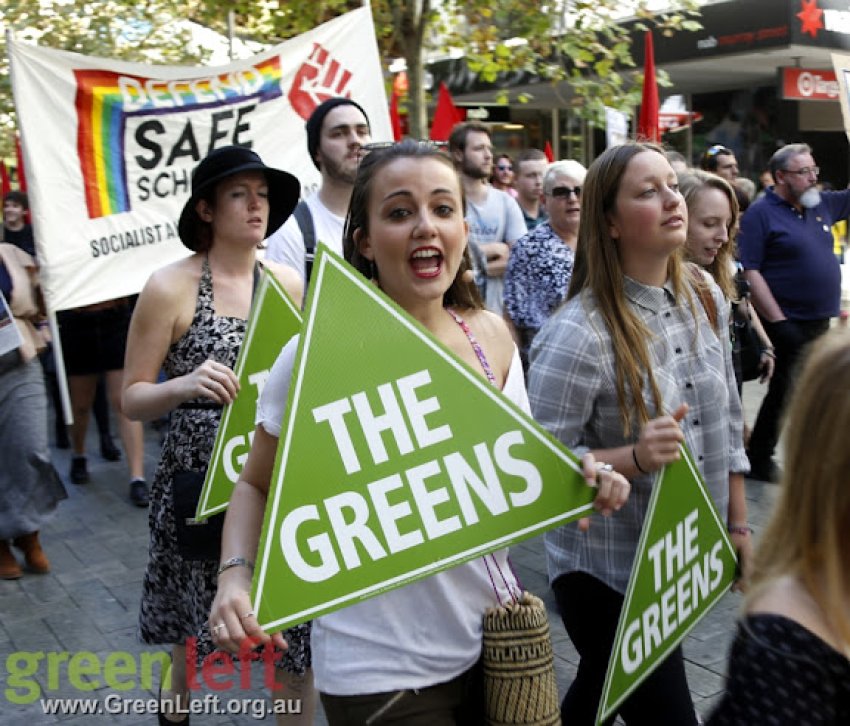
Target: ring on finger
x=216, y=628
x=249, y=614
x=603, y=467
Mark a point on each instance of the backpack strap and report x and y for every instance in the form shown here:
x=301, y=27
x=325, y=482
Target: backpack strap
x=308, y=232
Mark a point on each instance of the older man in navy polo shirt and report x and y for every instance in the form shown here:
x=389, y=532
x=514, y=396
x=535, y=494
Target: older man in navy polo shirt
x=786, y=249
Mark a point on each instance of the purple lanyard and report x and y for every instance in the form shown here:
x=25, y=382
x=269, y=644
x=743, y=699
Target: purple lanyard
x=479, y=352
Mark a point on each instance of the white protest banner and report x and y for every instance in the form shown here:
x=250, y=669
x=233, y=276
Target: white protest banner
x=110, y=146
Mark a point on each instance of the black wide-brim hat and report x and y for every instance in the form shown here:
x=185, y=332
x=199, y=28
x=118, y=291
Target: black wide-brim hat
x=284, y=189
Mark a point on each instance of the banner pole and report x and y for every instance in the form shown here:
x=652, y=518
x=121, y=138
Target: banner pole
x=59, y=362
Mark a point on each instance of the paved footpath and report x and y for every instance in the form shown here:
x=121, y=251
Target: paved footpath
x=97, y=545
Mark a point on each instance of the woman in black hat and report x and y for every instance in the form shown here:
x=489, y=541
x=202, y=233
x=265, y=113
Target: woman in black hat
x=190, y=321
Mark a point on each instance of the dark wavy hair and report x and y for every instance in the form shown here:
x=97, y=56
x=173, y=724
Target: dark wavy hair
x=462, y=293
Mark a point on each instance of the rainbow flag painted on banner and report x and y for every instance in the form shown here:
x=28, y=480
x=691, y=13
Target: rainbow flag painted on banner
x=104, y=99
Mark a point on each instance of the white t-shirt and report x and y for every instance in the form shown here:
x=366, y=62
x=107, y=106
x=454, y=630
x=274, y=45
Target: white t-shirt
x=286, y=245
x=499, y=219
x=424, y=633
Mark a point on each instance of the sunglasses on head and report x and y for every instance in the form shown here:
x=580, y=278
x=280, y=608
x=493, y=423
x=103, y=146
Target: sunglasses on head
x=716, y=149
x=564, y=192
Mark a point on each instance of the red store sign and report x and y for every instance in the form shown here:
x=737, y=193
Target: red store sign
x=809, y=84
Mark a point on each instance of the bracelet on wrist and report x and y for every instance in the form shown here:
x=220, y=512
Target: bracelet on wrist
x=637, y=463
x=235, y=562
x=739, y=529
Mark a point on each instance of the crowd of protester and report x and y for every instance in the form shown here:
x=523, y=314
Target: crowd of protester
x=606, y=302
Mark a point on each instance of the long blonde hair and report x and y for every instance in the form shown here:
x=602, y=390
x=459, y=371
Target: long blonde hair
x=598, y=268
x=808, y=535
x=692, y=185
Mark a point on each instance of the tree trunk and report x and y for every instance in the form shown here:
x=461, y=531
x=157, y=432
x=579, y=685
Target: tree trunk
x=417, y=116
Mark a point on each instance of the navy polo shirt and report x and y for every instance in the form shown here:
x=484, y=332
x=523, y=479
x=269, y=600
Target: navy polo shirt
x=793, y=250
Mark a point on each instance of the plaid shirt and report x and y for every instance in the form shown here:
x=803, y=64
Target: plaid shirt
x=573, y=394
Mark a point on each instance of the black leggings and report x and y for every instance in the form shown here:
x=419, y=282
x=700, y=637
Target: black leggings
x=590, y=611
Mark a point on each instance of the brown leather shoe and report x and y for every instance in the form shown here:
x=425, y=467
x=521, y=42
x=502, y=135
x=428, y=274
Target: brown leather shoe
x=9, y=567
x=36, y=559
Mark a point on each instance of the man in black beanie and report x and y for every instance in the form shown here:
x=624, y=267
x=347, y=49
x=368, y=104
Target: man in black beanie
x=336, y=130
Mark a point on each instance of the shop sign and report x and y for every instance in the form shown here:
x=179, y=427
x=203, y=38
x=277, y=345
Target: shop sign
x=808, y=84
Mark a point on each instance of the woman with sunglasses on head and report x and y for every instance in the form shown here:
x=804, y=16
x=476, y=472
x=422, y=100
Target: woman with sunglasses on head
x=712, y=224
x=190, y=320
x=628, y=368
x=541, y=262
x=503, y=175
x=407, y=656
x=790, y=662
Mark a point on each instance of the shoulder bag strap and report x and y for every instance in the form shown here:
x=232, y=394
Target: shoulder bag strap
x=308, y=232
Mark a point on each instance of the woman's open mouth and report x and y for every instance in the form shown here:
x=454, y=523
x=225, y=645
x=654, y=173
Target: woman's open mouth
x=426, y=262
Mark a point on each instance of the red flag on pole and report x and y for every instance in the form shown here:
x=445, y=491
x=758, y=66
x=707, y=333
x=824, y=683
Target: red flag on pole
x=550, y=155
x=445, y=116
x=22, y=178
x=395, y=119
x=647, y=129
x=5, y=184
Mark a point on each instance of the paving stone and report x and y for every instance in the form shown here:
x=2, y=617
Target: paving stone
x=128, y=594
x=702, y=681
x=709, y=652
x=705, y=706
x=43, y=588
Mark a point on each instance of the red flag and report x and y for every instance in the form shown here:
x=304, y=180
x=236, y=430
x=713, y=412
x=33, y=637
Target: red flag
x=5, y=184
x=395, y=119
x=550, y=155
x=647, y=129
x=445, y=116
x=22, y=179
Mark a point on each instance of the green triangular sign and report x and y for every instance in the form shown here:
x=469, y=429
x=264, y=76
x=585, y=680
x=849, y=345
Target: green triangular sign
x=396, y=460
x=274, y=319
x=684, y=564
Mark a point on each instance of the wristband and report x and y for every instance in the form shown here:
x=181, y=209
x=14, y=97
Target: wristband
x=235, y=562
x=639, y=467
x=739, y=529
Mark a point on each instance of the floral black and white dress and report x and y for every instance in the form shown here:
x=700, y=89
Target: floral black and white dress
x=177, y=594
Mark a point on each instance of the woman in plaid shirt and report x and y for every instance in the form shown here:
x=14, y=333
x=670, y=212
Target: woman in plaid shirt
x=629, y=368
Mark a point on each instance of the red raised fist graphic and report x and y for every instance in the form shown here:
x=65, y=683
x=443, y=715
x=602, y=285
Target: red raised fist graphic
x=319, y=78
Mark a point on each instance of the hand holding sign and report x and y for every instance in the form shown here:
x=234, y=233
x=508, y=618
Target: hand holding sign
x=612, y=488
x=232, y=609
x=659, y=441
x=212, y=380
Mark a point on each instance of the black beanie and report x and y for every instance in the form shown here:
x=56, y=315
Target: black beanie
x=317, y=118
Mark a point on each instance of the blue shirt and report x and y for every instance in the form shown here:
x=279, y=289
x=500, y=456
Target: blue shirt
x=793, y=250
x=532, y=222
